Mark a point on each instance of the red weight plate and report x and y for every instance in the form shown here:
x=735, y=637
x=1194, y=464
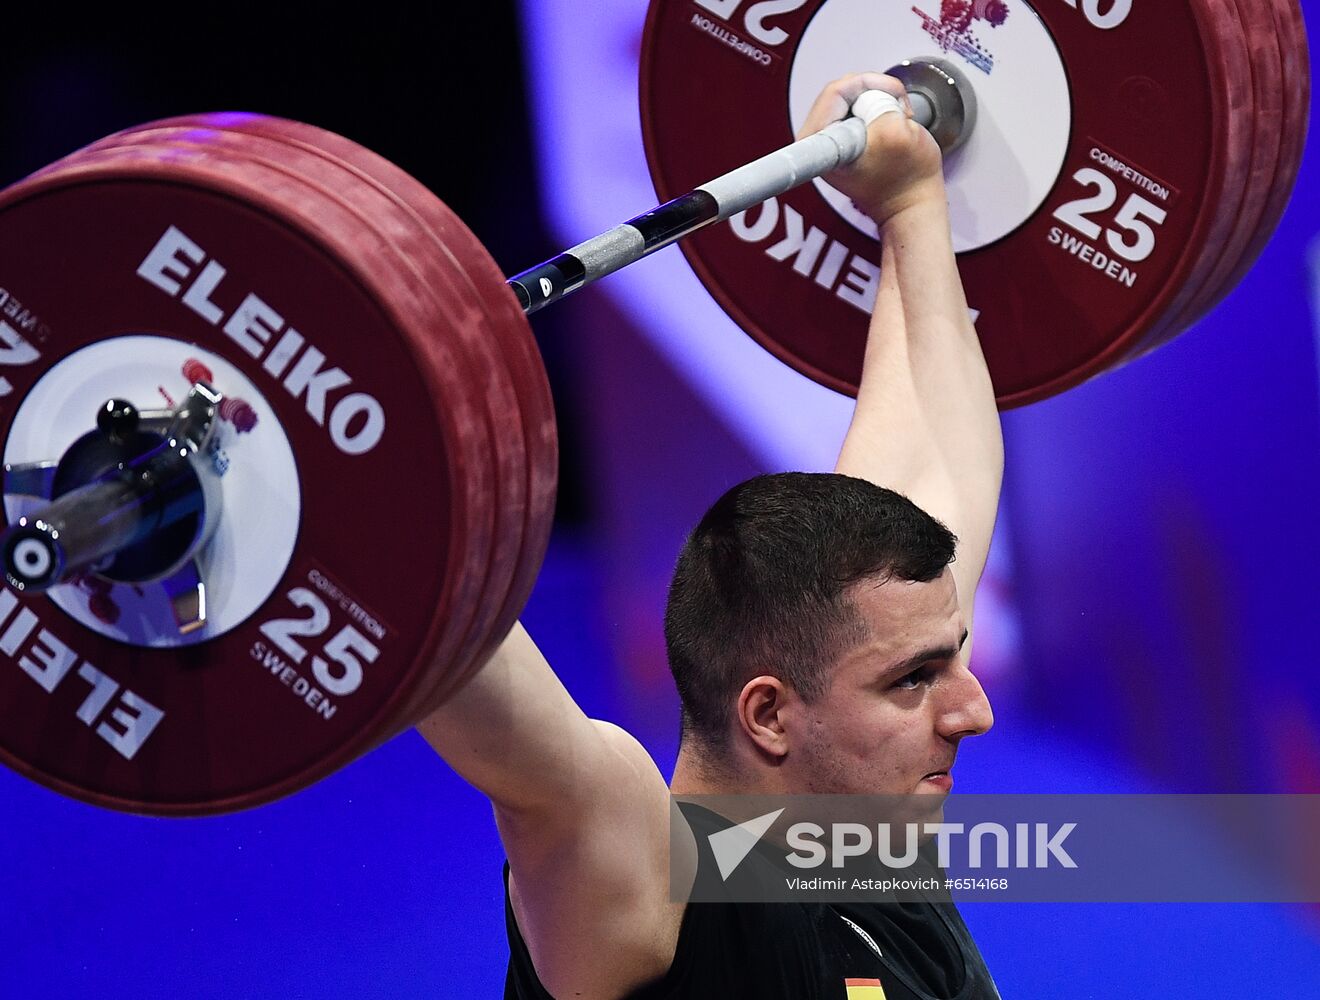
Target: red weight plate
x=1290, y=32
x=263, y=140
x=443, y=271
x=510, y=338
x=1267, y=119
x=308, y=680
x=447, y=663
x=463, y=627
x=1077, y=274
x=457, y=244
x=509, y=321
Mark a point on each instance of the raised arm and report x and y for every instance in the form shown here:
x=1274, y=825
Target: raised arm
x=582, y=810
x=926, y=424
x=583, y=813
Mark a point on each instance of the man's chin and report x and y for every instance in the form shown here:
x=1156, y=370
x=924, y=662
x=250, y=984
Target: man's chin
x=935, y=815
x=924, y=806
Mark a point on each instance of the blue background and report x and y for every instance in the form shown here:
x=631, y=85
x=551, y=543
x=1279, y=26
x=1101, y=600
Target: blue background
x=1149, y=614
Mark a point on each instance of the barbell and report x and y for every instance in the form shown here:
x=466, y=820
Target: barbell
x=221, y=333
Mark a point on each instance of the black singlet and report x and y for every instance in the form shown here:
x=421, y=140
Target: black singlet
x=801, y=951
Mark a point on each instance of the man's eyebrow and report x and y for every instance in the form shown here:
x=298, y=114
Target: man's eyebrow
x=925, y=656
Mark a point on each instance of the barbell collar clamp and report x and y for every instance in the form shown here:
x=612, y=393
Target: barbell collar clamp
x=84, y=528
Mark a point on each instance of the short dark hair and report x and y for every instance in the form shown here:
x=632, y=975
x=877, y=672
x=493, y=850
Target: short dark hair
x=761, y=585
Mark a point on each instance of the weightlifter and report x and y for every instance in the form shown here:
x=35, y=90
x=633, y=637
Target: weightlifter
x=818, y=630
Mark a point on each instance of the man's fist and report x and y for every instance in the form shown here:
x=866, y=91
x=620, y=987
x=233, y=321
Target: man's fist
x=902, y=163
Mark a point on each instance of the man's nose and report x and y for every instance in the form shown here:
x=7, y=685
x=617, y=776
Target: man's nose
x=967, y=711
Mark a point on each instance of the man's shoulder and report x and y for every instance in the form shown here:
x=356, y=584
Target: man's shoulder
x=589, y=884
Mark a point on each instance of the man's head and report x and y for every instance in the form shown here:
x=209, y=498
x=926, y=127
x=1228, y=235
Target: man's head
x=813, y=622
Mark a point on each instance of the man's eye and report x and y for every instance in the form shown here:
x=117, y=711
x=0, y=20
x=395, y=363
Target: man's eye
x=910, y=681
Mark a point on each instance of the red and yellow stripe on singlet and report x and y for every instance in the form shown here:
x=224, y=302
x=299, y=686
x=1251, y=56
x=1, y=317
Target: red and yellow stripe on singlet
x=864, y=989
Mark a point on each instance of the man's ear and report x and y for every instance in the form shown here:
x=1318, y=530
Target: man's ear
x=761, y=714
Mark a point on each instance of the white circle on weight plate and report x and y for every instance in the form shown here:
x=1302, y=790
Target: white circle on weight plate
x=261, y=502
x=1010, y=162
